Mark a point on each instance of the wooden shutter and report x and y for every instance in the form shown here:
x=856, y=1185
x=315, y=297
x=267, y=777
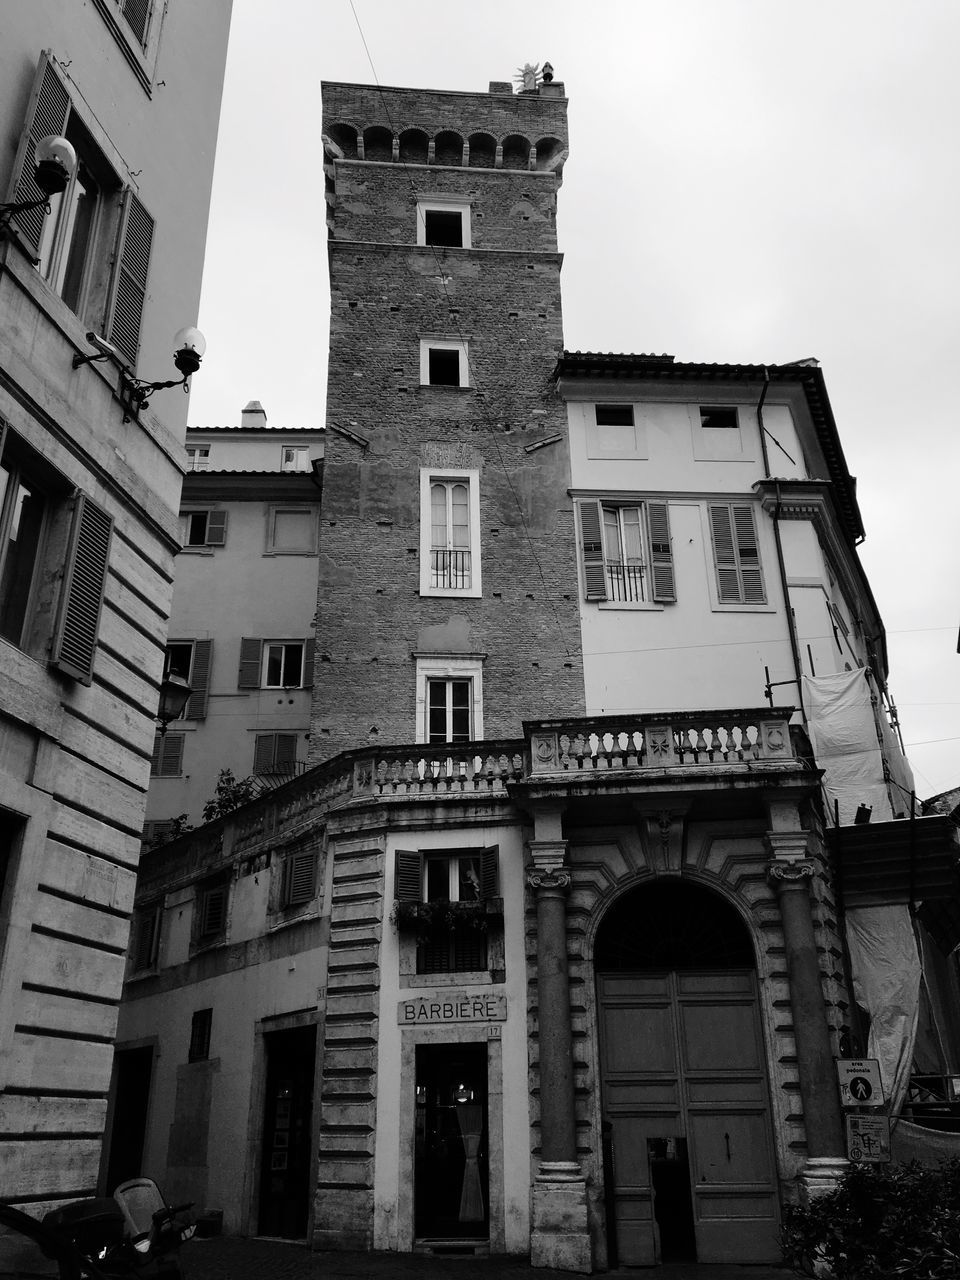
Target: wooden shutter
x=248, y=676
x=199, y=680
x=298, y=877
x=47, y=111
x=725, y=555
x=408, y=878
x=216, y=528
x=81, y=597
x=145, y=950
x=167, y=761
x=308, y=651
x=213, y=910
x=751, y=575
x=591, y=545
x=285, y=757
x=264, y=750
x=129, y=286
x=661, y=554
x=489, y=879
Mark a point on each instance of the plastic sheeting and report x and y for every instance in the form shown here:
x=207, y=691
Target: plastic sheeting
x=886, y=982
x=845, y=734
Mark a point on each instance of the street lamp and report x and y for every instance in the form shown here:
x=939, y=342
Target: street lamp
x=174, y=695
x=55, y=161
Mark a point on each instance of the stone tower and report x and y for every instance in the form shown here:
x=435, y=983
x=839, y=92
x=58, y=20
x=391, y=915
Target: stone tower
x=447, y=606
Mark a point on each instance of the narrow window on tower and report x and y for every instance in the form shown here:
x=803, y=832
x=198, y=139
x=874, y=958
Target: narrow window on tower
x=450, y=533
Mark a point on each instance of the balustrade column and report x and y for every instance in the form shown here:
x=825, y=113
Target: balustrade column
x=791, y=875
x=559, y=1236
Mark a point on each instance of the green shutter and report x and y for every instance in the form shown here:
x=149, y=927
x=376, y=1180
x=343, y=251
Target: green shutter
x=199, y=680
x=264, y=749
x=84, y=575
x=408, y=879
x=129, y=286
x=47, y=111
x=724, y=555
x=751, y=575
x=216, y=528
x=248, y=676
x=489, y=878
x=661, y=555
x=308, y=651
x=591, y=546
x=167, y=761
x=213, y=910
x=285, y=757
x=298, y=878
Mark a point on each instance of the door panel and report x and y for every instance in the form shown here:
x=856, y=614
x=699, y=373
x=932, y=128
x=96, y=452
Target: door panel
x=682, y=1058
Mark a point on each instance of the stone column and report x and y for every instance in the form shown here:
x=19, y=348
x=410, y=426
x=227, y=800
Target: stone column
x=791, y=873
x=559, y=1235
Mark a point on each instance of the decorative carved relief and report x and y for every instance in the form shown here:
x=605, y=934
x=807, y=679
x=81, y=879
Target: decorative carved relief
x=548, y=878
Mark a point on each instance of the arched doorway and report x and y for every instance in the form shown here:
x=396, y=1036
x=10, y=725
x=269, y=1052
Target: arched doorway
x=689, y=1161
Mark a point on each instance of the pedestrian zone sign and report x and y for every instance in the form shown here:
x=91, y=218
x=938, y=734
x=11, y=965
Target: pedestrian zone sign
x=868, y=1139
x=860, y=1082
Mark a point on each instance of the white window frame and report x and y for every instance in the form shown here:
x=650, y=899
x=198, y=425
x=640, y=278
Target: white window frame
x=617, y=582
x=265, y=659
x=198, y=457
x=450, y=668
x=471, y=477
x=444, y=344
x=438, y=204
x=302, y=455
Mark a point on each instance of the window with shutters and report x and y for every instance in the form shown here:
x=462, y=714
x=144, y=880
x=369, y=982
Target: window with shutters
x=444, y=362
x=625, y=552
x=450, y=533
x=210, y=911
x=191, y=661
x=202, y=529
x=145, y=939
x=448, y=902
x=201, y=1026
x=294, y=458
x=736, y=553
x=93, y=247
x=167, y=759
x=275, y=664
x=54, y=550
x=275, y=754
x=297, y=878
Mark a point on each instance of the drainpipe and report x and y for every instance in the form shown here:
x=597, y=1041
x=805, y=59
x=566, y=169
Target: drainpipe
x=791, y=626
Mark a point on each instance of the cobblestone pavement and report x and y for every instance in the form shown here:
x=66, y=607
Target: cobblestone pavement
x=233, y=1258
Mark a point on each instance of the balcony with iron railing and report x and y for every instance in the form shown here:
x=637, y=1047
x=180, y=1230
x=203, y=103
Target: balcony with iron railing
x=450, y=570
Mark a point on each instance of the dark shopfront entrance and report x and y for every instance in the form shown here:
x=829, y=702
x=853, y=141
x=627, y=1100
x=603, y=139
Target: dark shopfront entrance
x=451, y=1191
x=688, y=1141
x=288, y=1111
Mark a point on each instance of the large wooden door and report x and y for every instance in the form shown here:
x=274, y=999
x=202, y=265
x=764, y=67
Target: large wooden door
x=685, y=1099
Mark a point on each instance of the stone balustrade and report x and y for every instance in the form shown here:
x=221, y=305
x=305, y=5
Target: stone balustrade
x=681, y=739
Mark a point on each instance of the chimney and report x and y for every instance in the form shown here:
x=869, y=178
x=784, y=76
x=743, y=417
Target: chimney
x=253, y=417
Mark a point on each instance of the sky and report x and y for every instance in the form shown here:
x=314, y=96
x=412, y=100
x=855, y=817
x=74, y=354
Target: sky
x=748, y=180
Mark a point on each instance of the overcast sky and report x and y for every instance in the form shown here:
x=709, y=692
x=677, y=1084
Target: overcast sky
x=749, y=180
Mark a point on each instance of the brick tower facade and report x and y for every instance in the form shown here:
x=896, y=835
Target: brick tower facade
x=446, y=600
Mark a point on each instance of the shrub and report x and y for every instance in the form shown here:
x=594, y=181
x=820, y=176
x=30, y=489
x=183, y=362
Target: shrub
x=882, y=1221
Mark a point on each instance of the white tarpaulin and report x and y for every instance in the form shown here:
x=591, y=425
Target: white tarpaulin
x=886, y=982
x=845, y=734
